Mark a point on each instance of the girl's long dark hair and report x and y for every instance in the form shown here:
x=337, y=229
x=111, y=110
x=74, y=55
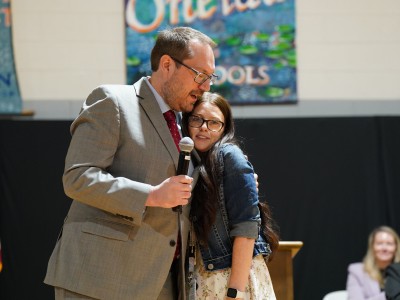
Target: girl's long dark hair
x=205, y=194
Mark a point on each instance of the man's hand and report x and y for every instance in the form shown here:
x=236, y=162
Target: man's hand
x=255, y=174
x=171, y=192
x=256, y=179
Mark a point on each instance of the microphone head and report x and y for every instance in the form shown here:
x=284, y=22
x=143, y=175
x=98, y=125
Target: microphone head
x=186, y=144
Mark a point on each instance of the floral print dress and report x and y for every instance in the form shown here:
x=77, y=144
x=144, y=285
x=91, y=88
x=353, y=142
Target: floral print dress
x=213, y=285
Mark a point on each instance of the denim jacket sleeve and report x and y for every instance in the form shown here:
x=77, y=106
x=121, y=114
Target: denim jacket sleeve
x=241, y=197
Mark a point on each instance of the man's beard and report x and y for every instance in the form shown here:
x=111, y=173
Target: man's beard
x=170, y=90
x=169, y=93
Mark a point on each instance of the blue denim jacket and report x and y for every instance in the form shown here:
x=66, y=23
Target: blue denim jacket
x=238, y=213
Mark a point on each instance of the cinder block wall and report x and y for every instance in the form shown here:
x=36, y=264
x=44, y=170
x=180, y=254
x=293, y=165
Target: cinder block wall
x=348, y=56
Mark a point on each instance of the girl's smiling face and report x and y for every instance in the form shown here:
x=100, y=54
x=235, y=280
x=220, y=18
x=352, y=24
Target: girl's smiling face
x=203, y=137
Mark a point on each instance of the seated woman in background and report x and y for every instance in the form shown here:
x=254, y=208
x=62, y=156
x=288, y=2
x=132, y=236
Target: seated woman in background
x=366, y=280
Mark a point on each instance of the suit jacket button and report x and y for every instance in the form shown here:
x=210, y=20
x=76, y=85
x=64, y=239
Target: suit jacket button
x=210, y=266
x=172, y=243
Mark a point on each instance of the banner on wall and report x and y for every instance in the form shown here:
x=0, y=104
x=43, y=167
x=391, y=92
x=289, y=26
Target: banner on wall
x=255, y=57
x=10, y=99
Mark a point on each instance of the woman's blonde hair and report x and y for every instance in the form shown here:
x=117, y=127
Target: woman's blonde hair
x=370, y=265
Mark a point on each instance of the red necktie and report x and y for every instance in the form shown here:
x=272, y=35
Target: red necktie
x=173, y=127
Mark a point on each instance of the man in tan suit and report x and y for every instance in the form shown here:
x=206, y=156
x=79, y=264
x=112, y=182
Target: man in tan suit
x=119, y=237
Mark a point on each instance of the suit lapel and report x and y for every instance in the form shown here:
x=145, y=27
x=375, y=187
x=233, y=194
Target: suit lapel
x=371, y=284
x=153, y=112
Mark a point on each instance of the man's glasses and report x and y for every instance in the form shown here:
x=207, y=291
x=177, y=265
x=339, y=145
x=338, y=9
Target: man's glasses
x=197, y=122
x=200, y=77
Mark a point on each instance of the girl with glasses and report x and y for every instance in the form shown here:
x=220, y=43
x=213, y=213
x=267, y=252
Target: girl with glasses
x=232, y=234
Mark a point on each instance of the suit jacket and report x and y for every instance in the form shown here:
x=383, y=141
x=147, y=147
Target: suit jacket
x=112, y=246
x=361, y=286
x=392, y=284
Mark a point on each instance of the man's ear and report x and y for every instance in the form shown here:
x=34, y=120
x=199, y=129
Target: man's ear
x=167, y=65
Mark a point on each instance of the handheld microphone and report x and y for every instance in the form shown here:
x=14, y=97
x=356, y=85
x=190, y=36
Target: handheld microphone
x=186, y=146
